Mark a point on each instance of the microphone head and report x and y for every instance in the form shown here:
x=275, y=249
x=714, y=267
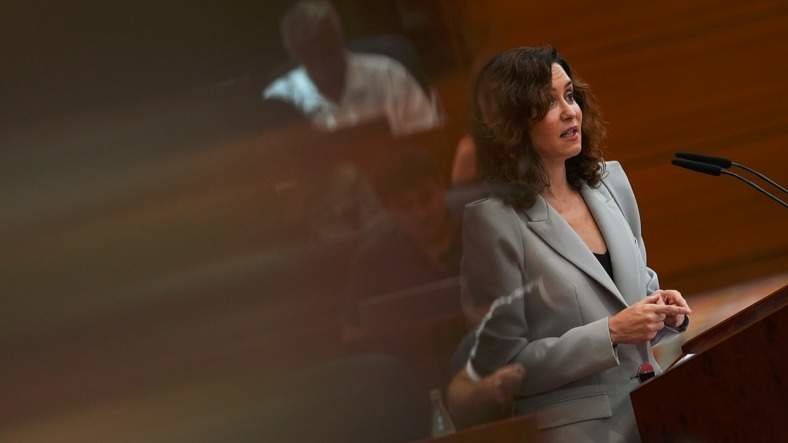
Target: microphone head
x=717, y=161
x=705, y=168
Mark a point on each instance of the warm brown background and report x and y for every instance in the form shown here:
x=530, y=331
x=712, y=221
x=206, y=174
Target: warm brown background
x=694, y=76
x=142, y=297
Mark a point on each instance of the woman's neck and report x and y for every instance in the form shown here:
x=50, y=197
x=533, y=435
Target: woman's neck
x=559, y=188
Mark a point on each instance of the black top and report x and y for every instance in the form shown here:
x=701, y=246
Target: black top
x=604, y=260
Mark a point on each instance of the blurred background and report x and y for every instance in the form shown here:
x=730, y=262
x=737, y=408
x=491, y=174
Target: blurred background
x=198, y=247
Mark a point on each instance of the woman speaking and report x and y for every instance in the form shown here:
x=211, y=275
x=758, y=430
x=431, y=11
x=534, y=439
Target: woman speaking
x=557, y=254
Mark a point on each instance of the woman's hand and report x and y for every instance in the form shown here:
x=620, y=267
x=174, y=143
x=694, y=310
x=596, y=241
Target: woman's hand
x=674, y=298
x=642, y=321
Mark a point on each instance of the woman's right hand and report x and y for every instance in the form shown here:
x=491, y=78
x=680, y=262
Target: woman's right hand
x=642, y=321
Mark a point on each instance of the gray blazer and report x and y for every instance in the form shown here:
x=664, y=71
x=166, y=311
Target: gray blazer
x=549, y=301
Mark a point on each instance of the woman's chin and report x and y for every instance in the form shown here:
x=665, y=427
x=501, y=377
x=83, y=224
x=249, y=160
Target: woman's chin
x=572, y=152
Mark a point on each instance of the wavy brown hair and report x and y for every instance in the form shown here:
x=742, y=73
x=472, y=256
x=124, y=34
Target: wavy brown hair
x=512, y=92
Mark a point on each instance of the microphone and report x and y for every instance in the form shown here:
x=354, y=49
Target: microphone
x=725, y=164
x=719, y=161
x=705, y=168
x=714, y=169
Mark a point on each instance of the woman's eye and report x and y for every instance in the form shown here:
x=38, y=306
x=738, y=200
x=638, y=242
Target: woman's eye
x=570, y=97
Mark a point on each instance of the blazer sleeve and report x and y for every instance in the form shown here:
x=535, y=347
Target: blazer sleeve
x=619, y=185
x=492, y=273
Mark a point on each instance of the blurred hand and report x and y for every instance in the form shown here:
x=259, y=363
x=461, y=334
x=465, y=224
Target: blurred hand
x=642, y=321
x=504, y=383
x=473, y=402
x=674, y=298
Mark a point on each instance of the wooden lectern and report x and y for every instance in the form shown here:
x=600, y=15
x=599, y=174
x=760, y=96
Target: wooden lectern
x=731, y=383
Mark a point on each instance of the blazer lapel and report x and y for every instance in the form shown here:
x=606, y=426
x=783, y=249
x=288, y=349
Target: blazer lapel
x=619, y=239
x=556, y=232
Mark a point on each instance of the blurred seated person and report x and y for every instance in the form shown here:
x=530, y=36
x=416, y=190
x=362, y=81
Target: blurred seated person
x=464, y=169
x=276, y=114
x=472, y=402
x=465, y=184
x=417, y=243
x=337, y=88
x=465, y=166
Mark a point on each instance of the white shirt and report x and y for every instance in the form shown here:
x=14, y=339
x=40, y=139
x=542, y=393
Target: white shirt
x=375, y=86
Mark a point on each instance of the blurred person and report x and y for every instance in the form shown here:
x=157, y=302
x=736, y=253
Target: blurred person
x=472, y=402
x=417, y=243
x=464, y=169
x=557, y=254
x=465, y=184
x=337, y=88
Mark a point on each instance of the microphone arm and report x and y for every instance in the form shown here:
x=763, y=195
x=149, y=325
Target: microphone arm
x=715, y=169
x=724, y=163
x=756, y=187
x=762, y=176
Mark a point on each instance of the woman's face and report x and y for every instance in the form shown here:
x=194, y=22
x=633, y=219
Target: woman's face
x=557, y=136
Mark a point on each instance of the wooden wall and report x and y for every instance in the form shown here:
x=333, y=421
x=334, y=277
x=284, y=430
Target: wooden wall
x=141, y=298
x=673, y=76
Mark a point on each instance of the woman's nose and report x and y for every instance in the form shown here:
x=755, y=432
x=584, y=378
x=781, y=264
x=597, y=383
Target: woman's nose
x=568, y=111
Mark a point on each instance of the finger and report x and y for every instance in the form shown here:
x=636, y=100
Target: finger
x=654, y=314
x=681, y=301
x=511, y=379
x=514, y=369
x=671, y=294
x=657, y=307
x=675, y=321
x=651, y=299
x=506, y=385
x=670, y=309
x=655, y=328
x=675, y=298
x=667, y=309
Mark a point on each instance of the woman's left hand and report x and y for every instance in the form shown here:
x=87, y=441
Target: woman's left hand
x=673, y=297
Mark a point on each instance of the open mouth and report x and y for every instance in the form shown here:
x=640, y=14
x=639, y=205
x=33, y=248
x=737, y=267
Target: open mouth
x=569, y=133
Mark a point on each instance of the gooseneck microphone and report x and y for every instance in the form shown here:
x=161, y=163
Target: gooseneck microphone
x=716, y=169
x=725, y=164
x=718, y=161
x=705, y=168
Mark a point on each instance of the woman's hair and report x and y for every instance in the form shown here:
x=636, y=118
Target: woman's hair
x=512, y=92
